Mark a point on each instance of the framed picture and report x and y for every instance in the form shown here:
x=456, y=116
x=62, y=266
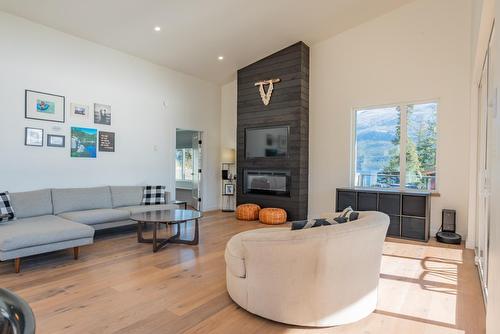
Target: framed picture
x=79, y=111
x=229, y=189
x=44, y=106
x=56, y=140
x=33, y=137
x=83, y=142
x=102, y=114
x=106, y=141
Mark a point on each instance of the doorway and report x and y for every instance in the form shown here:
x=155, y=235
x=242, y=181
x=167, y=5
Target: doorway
x=483, y=191
x=188, y=170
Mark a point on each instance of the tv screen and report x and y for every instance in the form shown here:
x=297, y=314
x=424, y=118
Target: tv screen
x=266, y=142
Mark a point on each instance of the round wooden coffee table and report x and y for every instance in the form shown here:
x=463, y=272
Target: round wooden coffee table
x=166, y=217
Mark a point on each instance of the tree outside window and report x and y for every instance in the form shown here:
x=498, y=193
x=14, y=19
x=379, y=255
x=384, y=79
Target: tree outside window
x=184, y=164
x=378, y=145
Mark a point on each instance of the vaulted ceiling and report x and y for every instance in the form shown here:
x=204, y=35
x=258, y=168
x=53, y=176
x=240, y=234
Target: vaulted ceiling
x=194, y=33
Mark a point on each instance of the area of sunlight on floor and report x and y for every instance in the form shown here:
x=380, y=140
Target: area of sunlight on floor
x=415, y=274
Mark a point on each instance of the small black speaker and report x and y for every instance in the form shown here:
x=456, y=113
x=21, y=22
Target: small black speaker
x=447, y=233
x=225, y=174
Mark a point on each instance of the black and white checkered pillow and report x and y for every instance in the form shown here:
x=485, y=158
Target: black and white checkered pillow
x=154, y=195
x=6, y=210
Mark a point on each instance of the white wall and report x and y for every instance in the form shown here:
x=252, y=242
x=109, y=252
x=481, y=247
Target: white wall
x=148, y=103
x=228, y=117
x=418, y=52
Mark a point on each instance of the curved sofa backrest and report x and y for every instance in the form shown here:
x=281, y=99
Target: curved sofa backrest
x=336, y=265
x=367, y=220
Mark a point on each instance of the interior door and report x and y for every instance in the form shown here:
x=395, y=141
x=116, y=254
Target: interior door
x=484, y=176
x=197, y=144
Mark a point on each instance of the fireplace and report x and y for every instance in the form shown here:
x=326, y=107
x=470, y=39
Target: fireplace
x=267, y=182
x=273, y=139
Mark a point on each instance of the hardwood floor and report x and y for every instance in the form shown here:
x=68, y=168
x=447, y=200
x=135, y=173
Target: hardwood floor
x=120, y=286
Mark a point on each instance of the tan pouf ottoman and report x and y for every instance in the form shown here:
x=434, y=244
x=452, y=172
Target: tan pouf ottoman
x=247, y=212
x=272, y=216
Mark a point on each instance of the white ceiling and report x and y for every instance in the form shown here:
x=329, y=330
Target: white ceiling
x=195, y=32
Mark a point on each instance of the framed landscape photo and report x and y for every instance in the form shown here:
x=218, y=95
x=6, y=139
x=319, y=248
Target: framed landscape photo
x=44, y=106
x=102, y=114
x=33, y=137
x=83, y=142
x=56, y=140
x=79, y=112
x=106, y=141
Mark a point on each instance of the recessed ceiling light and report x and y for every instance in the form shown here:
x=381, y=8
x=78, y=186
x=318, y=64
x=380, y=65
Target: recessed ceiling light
x=220, y=58
x=157, y=28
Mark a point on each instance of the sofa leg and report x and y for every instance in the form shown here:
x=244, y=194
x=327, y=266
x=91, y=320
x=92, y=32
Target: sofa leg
x=17, y=265
x=76, y=252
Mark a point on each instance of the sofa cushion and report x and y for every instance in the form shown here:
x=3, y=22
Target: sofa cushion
x=348, y=214
x=78, y=199
x=42, y=230
x=32, y=203
x=126, y=196
x=146, y=208
x=234, y=256
x=97, y=216
x=310, y=223
x=6, y=210
x=153, y=195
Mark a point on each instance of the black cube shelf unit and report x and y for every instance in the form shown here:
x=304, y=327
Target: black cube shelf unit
x=409, y=211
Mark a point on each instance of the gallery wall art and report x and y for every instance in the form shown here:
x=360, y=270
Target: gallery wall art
x=44, y=106
x=102, y=114
x=106, y=141
x=56, y=140
x=79, y=112
x=33, y=137
x=83, y=142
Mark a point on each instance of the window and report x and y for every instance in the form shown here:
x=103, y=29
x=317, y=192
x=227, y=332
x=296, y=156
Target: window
x=381, y=134
x=184, y=164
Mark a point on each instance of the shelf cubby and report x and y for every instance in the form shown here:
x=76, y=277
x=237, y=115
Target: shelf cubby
x=408, y=211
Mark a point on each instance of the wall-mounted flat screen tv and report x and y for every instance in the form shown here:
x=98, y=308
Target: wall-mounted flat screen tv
x=266, y=142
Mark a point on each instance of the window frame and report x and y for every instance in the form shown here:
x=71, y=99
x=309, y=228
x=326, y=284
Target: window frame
x=402, y=144
x=183, y=166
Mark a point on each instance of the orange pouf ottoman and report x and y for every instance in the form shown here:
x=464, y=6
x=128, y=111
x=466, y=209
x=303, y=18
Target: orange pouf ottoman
x=272, y=216
x=247, y=212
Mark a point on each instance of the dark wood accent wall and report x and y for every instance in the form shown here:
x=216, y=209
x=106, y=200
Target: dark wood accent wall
x=289, y=106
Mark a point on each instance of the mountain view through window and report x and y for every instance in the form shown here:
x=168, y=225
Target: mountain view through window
x=378, y=145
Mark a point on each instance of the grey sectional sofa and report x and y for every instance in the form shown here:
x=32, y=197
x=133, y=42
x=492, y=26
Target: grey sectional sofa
x=55, y=219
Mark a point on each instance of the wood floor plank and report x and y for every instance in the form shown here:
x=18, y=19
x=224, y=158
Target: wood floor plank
x=120, y=286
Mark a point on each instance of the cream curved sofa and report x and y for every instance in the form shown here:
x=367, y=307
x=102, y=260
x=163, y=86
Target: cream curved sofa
x=323, y=276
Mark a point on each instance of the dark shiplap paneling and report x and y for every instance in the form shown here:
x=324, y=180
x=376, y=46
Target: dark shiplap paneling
x=289, y=106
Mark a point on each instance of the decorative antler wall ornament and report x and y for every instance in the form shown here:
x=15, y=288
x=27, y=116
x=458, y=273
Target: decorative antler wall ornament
x=266, y=97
